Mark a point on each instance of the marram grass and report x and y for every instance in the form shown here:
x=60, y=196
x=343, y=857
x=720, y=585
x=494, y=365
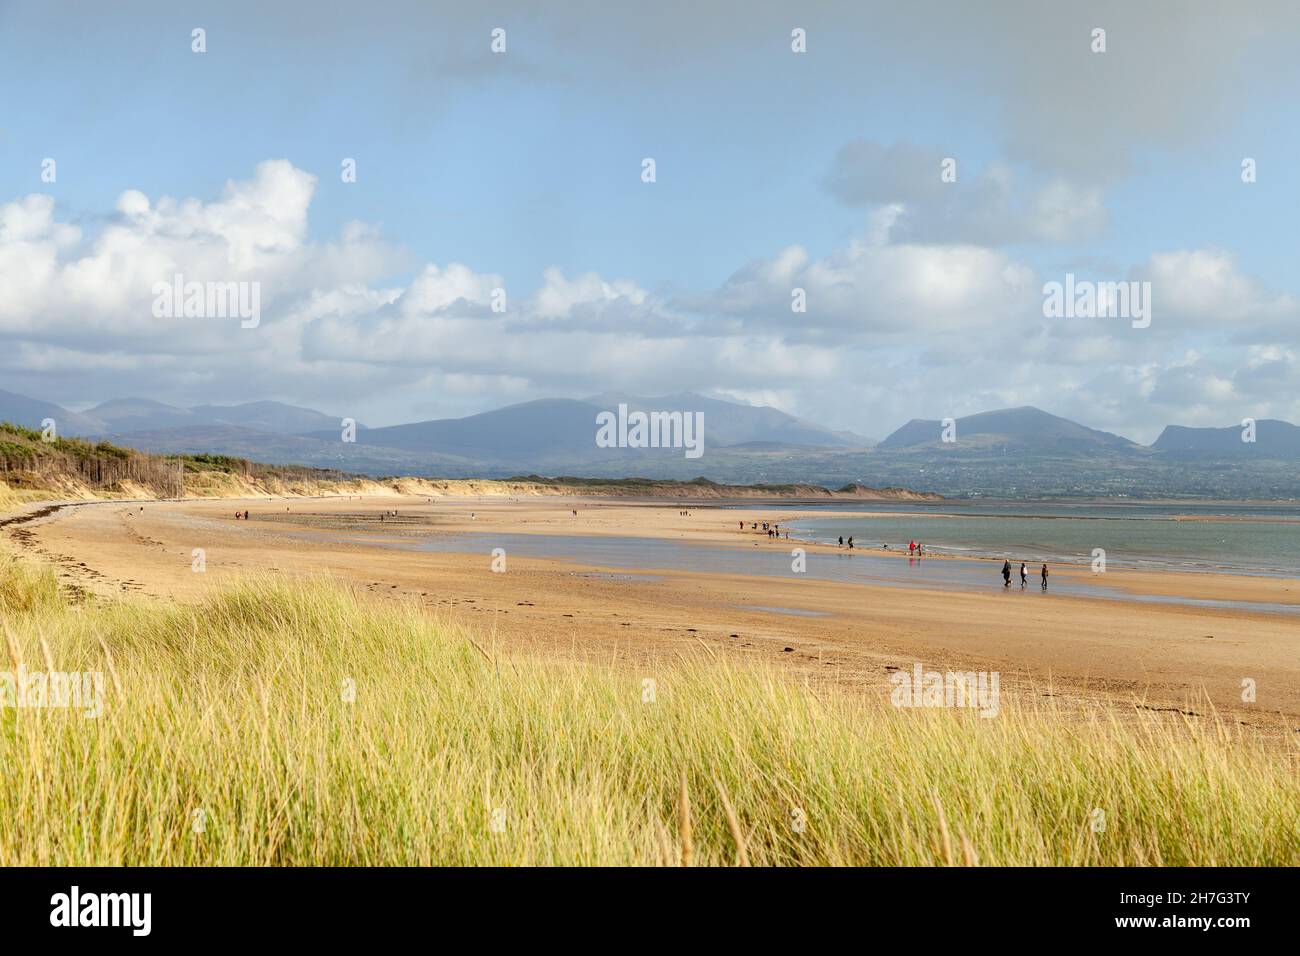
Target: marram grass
x=291, y=723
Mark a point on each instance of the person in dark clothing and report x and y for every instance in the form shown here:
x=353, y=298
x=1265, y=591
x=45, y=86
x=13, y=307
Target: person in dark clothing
x=1044, y=577
x=850, y=542
x=841, y=541
x=1006, y=573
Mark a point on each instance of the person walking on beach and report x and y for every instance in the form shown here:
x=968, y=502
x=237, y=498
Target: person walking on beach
x=841, y=541
x=1024, y=575
x=850, y=542
x=1044, y=576
x=1006, y=572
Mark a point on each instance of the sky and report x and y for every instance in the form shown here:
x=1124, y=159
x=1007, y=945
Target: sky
x=774, y=171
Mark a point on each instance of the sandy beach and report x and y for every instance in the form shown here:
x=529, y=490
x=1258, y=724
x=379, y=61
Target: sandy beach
x=1166, y=655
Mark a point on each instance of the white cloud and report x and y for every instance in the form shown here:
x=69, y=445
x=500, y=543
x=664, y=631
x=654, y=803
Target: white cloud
x=560, y=297
x=893, y=329
x=1204, y=288
x=992, y=206
x=876, y=292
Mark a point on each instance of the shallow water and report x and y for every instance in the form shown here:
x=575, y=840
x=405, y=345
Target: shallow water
x=790, y=611
x=1242, y=538
x=858, y=566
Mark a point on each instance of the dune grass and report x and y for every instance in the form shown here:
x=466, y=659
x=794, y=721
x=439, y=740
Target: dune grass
x=8, y=497
x=282, y=722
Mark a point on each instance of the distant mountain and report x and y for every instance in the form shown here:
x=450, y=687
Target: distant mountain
x=1012, y=453
x=562, y=431
x=269, y=448
x=1021, y=430
x=274, y=417
x=123, y=415
x=1273, y=439
x=30, y=412
x=547, y=428
x=730, y=423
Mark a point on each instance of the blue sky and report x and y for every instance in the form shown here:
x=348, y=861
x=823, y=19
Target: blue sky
x=529, y=161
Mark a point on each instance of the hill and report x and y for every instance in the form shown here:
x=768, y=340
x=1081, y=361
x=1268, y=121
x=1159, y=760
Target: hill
x=31, y=412
x=275, y=417
x=561, y=432
x=1025, y=429
x=1273, y=439
x=731, y=423
x=127, y=416
x=32, y=469
x=1015, y=452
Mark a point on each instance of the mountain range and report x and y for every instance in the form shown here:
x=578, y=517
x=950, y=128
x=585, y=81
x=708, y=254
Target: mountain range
x=125, y=415
x=1272, y=438
x=1021, y=429
x=1007, y=452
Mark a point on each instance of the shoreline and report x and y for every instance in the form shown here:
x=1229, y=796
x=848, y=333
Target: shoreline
x=1227, y=584
x=1168, y=655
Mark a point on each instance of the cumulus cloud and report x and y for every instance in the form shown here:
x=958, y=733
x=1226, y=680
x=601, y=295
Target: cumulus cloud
x=877, y=291
x=1205, y=289
x=893, y=328
x=990, y=206
x=66, y=288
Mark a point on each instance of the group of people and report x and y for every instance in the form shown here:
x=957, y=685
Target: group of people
x=915, y=547
x=1024, y=574
x=771, y=529
x=238, y=515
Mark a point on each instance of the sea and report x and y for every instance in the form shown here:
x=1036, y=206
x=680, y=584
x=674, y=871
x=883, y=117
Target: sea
x=1237, y=537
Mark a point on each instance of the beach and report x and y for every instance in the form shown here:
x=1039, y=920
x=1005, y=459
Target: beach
x=640, y=582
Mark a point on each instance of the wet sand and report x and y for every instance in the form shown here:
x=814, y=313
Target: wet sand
x=1076, y=646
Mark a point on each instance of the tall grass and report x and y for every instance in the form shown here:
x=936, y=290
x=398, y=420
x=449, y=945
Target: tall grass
x=227, y=737
x=8, y=497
